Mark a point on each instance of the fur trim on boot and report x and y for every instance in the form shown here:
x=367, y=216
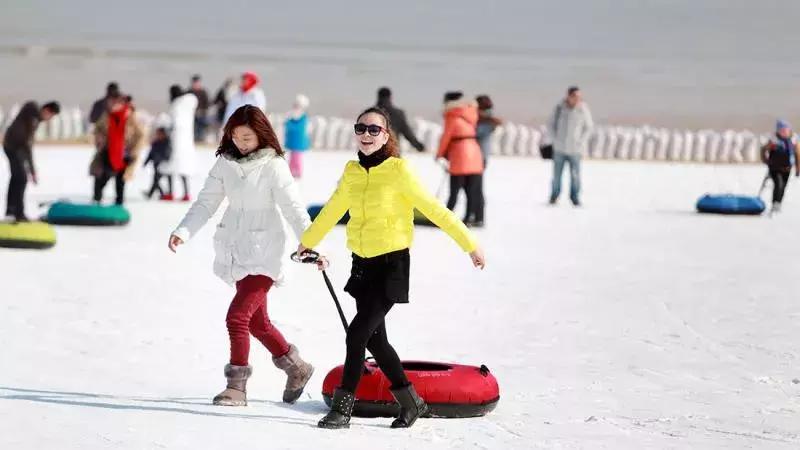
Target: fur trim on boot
x=235, y=394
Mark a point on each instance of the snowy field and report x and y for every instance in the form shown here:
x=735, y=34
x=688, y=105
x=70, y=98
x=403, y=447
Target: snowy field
x=630, y=323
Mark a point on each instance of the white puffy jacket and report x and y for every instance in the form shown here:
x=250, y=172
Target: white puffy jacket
x=251, y=238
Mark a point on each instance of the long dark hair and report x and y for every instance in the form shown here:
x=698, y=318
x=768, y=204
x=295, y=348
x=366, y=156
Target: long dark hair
x=390, y=148
x=254, y=118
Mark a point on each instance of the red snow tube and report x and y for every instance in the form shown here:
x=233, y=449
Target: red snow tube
x=451, y=390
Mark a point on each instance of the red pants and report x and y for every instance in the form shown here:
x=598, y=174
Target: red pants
x=248, y=315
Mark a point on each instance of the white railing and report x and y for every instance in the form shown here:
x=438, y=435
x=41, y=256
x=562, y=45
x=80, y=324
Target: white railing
x=606, y=142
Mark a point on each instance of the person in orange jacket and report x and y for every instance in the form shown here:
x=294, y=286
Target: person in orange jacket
x=459, y=145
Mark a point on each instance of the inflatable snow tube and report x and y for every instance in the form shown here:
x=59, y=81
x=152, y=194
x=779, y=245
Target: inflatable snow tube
x=419, y=218
x=65, y=213
x=451, y=390
x=730, y=204
x=35, y=235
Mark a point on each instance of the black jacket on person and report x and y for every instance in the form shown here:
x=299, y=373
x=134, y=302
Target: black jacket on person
x=98, y=108
x=202, y=102
x=400, y=126
x=19, y=135
x=160, y=151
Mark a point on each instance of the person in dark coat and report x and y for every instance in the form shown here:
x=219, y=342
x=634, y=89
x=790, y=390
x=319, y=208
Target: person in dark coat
x=160, y=150
x=18, y=146
x=101, y=105
x=397, y=118
x=201, y=113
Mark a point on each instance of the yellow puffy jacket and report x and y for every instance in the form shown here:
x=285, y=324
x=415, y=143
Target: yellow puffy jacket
x=381, y=202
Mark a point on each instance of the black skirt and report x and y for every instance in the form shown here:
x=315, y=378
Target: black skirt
x=383, y=278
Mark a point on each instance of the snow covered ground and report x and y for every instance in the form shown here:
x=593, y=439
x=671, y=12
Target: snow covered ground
x=630, y=323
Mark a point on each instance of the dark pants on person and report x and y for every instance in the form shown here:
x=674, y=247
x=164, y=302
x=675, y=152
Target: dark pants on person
x=101, y=181
x=779, y=179
x=185, y=181
x=15, y=205
x=376, y=284
x=156, y=182
x=473, y=187
x=200, y=126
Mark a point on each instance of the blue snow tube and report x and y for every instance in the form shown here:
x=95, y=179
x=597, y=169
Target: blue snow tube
x=730, y=204
x=66, y=213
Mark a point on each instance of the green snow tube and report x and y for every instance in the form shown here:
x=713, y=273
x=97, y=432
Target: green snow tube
x=65, y=213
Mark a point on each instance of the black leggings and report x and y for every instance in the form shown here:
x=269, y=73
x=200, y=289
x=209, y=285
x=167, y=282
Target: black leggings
x=779, y=179
x=119, y=183
x=185, y=180
x=156, y=183
x=368, y=331
x=15, y=205
x=473, y=187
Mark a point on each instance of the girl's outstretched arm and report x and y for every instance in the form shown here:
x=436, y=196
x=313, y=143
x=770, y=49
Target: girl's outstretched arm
x=207, y=203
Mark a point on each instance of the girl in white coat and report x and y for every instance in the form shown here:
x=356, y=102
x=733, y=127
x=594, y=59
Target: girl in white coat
x=181, y=161
x=250, y=243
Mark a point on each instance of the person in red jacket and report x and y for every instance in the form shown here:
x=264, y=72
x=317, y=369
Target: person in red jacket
x=459, y=145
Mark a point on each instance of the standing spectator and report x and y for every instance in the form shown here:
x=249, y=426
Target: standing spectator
x=487, y=123
x=570, y=127
x=117, y=138
x=201, y=114
x=18, y=146
x=459, y=145
x=297, y=140
x=221, y=101
x=160, y=150
x=780, y=154
x=181, y=162
x=248, y=94
x=101, y=105
x=397, y=118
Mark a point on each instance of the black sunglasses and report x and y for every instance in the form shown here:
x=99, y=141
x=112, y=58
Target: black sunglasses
x=373, y=130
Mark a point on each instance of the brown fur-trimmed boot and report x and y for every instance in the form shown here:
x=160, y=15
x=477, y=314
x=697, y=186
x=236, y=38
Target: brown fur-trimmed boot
x=235, y=394
x=298, y=373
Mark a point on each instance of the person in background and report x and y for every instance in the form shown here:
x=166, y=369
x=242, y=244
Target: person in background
x=397, y=117
x=569, y=127
x=181, y=161
x=117, y=138
x=459, y=145
x=487, y=124
x=780, y=154
x=221, y=101
x=297, y=140
x=18, y=147
x=248, y=94
x=101, y=105
x=201, y=114
x=160, y=150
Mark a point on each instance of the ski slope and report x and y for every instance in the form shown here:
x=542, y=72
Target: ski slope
x=630, y=323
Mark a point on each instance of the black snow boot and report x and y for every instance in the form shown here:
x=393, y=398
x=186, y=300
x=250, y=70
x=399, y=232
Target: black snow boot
x=341, y=410
x=412, y=406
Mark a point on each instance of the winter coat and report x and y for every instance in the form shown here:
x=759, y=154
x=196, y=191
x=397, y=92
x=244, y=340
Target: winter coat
x=98, y=108
x=19, y=135
x=255, y=96
x=202, y=102
x=251, y=238
x=487, y=123
x=459, y=143
x=779, y=156
x=181, y=113
x=571, y=132
x=134, y=138
x=160, y=151
x=296, y=134
x=381, y=203
x=399, y=124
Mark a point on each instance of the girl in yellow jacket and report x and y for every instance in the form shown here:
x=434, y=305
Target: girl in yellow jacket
x=380, y=191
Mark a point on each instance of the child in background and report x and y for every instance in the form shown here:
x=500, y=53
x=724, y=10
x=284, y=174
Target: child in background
x=297, y=140
x=160, y=149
